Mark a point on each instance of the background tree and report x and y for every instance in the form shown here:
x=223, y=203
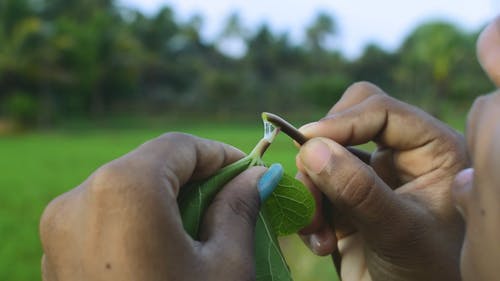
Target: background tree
x=432, y=52
x=233, y=36
x=320, y=31
x=94, y=60
x=377, y=66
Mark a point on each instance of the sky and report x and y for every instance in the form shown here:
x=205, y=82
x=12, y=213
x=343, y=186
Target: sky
x=384, y=22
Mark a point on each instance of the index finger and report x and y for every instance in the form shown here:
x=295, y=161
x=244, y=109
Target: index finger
x=381, y=119
x=179, y=158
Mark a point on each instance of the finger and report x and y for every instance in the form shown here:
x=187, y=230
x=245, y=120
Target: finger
x=181, y=158
x=322, y=242
x=355, y=94
x=350, y=185
x=318, y=221
x=383, y=164
x=319, y=236
x=381, y=119
x=488, y=50
x=229, y=224
x=361, y=154
x=326, y=221
x=482, y=122
x=325, y=215
x=461, y=190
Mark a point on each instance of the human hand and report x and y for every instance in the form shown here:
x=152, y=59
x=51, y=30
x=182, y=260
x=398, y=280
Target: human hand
x=394, y=219
x=477, y=191
x=123, y=222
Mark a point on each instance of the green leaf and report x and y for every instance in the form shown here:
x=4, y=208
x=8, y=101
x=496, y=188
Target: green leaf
x=195, y=197
x=269, y=262
x=290, y=207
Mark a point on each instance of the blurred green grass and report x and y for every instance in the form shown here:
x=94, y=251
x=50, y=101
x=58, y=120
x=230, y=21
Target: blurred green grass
x=36, y=167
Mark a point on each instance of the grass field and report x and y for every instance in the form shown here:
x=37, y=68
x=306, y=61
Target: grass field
x=35, y=168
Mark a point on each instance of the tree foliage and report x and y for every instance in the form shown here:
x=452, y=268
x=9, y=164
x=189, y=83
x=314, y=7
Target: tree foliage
x=91, y=59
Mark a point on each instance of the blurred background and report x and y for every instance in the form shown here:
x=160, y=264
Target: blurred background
x=83, y=82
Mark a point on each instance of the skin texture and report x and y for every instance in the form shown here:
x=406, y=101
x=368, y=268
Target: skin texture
x=477, y=191
x=394, y=218
x=123, y=222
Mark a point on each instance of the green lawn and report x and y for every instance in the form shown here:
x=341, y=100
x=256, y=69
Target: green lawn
x=35, y=168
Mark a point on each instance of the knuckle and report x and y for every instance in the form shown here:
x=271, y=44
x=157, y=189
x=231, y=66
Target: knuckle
x=118, y=181
x=177, y=137
x=108, y=178
x=363, y=87
x=383, y=101
x=49, y=222
x=57, y=224
x=171, y=139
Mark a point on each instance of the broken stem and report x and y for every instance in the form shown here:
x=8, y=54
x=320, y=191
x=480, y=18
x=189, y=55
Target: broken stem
x=261, y=147
x=285, y=127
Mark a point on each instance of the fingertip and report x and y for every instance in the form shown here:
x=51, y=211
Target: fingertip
x=488, y=50
x=269, y=181
x=235, y=150
x=321, y=243
x=461, y=189
x=315, y=155
x=234, y=211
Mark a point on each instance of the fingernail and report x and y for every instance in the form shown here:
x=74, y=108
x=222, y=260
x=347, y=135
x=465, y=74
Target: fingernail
x=315, y=243
x=465, y=177
x=461, y=186
x=315, y=156
x=269, y=181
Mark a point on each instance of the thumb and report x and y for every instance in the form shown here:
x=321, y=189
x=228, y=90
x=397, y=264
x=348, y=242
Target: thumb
x=352, y=186
x=229, y=223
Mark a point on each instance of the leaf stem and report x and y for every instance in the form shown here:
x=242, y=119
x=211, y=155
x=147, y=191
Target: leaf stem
x=261, y=147
x=286, y=127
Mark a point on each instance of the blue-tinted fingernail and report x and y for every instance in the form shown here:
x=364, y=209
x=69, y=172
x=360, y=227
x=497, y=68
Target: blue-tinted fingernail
x=269, y=181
